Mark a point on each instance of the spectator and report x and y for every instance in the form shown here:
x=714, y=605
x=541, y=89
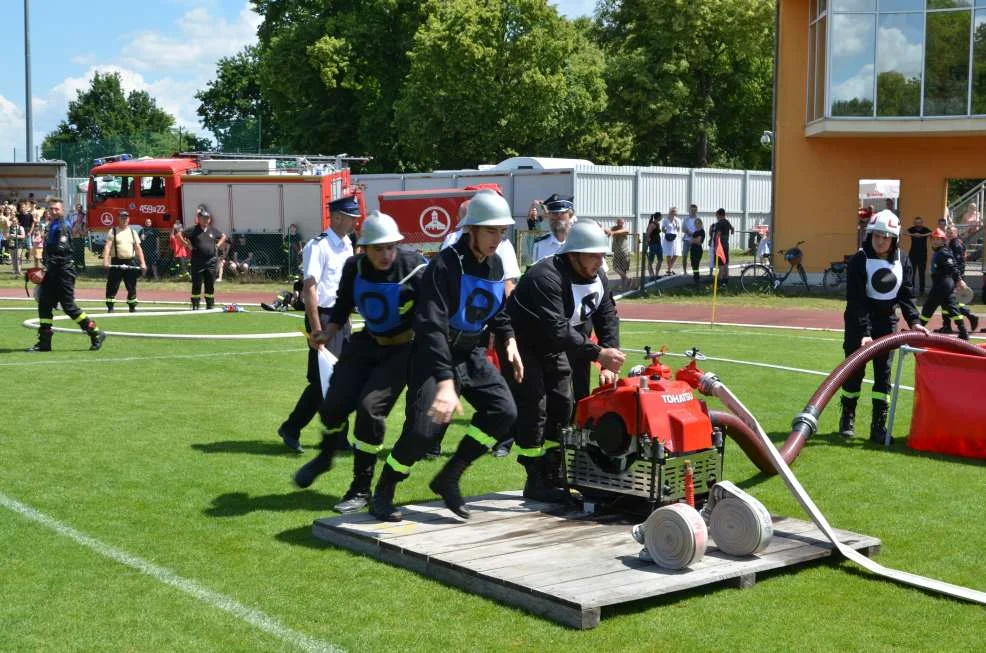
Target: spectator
x=671, y=228
x=919, y=252
x=149, y=244
x=970, y=222
x=654, y=249
x=238, y=258
x=37, y=239
x=15, y=238
x=79, y=231
x=620, y=237
x=763, y=249
x=5, y=218
x=179, y=250
x=294, y=245
x=25, y=217
x=696, y=242
x=721, y=231
x=687, y=229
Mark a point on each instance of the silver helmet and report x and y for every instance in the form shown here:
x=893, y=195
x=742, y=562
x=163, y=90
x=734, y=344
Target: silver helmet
x=585, y=236
x=488, y=209
x=379, y=229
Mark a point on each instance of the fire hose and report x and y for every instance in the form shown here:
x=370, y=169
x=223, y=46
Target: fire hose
x=805, y=424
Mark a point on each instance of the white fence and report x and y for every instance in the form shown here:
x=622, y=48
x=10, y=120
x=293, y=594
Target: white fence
x=605, y=193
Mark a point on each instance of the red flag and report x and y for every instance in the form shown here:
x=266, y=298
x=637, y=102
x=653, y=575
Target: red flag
x=720, y=254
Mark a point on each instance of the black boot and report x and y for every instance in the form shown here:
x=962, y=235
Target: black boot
x=195, y=303
x=44, y=340
x=446, y=482
x=321, y=463
x=878, y=426
x=973, y=322
x=847, y=421
x=382, y=501
x=209, y=303
x=96, y=338
x=109, y=307
x=946, y=326
x=358, y=494
x=538, y=487
x=963, y=334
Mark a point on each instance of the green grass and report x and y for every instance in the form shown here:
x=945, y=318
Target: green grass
x=167, y=450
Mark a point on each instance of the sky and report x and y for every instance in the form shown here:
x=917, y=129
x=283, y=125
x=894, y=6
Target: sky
x=168, y=48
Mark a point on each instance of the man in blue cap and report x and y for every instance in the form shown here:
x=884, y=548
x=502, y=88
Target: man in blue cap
x=561, y=213
x=322, y=261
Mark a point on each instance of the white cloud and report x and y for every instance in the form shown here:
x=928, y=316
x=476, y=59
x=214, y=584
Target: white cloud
x=859, y=85
x=86, y=59
x=895, y=52
x=851, y=35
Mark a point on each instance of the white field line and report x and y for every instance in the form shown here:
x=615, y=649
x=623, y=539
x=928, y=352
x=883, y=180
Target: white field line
x=211, y=598
x=130, y=359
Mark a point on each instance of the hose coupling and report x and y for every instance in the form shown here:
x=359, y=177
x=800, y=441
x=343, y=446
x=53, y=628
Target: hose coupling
x=805, y=419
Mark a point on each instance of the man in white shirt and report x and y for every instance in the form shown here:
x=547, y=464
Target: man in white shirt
x=322, y=261
x=688, y=230
x=561, y=214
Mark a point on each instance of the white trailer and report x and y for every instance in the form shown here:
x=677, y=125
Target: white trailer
x=43, y=180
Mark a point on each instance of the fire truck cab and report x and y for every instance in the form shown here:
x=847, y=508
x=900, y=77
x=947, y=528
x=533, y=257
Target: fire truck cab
x=145, y=188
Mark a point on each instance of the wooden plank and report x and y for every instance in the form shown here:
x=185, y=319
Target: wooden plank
x=561, y=567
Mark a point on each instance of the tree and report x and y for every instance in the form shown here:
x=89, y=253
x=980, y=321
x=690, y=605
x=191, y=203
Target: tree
x=495, y=78
x=332, y=71
x=103, y=121
x=233, y=107
x=693, y=79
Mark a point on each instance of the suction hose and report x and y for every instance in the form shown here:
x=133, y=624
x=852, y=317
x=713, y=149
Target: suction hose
x=805, y=423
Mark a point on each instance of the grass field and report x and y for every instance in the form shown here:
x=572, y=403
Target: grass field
x=145, y=505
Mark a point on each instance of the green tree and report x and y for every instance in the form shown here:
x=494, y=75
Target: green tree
x=693, y=79
x=233, y=106
x=496, y=78
x=332, y=71
x=897, y=95
x=102, y=121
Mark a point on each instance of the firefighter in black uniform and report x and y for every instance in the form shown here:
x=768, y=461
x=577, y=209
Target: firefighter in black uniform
x=461, y=295
x=372, y=370
x=878, y=280
x=204, y=241
x=58, y=285
x=548, y=310
x=957, y=247
x=945, y=276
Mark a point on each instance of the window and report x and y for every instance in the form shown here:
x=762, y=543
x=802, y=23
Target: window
x=896, y=59
x=109, y=186
x=152, y=186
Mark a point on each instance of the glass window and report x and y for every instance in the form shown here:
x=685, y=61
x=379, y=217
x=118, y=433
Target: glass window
x=811, y=73
x=898, y=64
x=946, y=66
x=109, y=186
x=152, y=186
x=820, y=68
x=979, y=63
x=851, y=76
x=853, y=5
x=949, y=4
x=902, y=5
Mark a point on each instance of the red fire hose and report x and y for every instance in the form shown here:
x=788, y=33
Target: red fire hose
x=806, y=422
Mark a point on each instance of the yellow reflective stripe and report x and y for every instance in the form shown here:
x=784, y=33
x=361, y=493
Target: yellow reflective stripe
x=210, y=296
x=82, y=317
x=879, y=396
x=477, y=434
x=530, y=453
x=111, y=300
x=551, y=444
x=46, y=321
x=850, y=395
x=925, y=320
x=396, y=466
x=406, y=306
x=365, y=447
x=957, y=318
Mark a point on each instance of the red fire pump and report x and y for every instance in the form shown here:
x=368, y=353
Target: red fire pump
x=645, y=441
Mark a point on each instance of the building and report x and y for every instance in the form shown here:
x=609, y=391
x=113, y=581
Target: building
x=873, y=89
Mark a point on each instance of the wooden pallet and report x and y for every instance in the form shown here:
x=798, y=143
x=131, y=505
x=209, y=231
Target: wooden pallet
x=561, y=567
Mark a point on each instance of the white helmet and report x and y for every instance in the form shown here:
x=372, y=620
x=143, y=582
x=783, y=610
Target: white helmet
x=884, y=222
x=488, y=209
x=585, y=236
x=379, y=229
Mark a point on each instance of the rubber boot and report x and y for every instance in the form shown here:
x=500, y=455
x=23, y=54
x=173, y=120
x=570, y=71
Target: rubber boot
x=847, y=421
x=96, y=337
x=209, y=303
x=195, y=303
x=946, y=325
x=44, y=340
x=537, y=486
x=973, y=321
x=358, y=494
x=382, y=501
x=322, y=462
x=553, y=472
x=446, y=482
x=878, y=427
x=110, y=306
x=963, y=333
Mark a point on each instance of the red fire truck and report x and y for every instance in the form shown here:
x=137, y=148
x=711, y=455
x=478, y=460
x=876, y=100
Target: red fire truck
x=243, y=194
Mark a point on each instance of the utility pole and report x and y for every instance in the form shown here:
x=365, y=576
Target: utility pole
x=27, y=80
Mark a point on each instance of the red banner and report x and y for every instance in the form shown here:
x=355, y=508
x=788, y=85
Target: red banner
x=949, y=409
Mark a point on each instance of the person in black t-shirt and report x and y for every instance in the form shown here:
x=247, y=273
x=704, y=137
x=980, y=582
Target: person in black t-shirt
x=695, y=247
x=919, y=251
x=204, y=241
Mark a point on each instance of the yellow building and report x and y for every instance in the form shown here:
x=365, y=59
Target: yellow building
x=873, y=89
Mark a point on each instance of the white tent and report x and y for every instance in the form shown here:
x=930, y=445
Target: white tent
x=879, y=188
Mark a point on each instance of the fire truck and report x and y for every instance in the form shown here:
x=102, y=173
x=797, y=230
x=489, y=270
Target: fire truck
x=244, y=193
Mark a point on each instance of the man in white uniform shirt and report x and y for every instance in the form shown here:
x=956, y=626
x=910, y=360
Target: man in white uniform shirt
x=561, y=214
x=322, y=261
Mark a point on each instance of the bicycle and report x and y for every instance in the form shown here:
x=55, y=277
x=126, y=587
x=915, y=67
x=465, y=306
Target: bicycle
x=834, y=276
x=761, y=278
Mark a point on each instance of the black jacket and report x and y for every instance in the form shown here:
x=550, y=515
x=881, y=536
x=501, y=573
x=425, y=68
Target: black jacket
x=861, y=309
x=945, y=264
x=405, y=262
x=542, y=304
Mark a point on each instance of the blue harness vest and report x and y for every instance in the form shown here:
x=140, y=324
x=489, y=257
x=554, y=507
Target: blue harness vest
x=479, y=300
x=378, y=303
